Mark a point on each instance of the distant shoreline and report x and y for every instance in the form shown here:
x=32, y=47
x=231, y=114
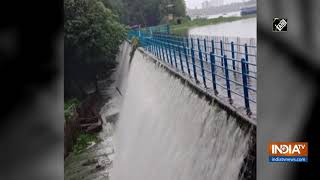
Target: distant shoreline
x=185, y=26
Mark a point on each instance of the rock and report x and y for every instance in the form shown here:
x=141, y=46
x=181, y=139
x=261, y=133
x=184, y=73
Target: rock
x=112, y=118
x=94, y=128
x=103, y=163
x=90, y=162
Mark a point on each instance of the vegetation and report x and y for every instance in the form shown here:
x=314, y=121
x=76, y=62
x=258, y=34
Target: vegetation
x=187, y=23
x=92, y=35
x=69, y=107
x=83, y=141
x=178, y=10
x=146, y=12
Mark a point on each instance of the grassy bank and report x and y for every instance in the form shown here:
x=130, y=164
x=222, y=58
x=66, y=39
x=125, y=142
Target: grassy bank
x=84, y=140
x=69, y=106
x=185, y=25
x=82, y=123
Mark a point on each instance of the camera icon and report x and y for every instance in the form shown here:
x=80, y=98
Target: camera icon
x=280, y=25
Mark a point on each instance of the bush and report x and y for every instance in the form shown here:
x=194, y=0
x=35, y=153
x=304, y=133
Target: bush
x=69, y=107
x=92, y=35
x=91, y=30
x=83, y=141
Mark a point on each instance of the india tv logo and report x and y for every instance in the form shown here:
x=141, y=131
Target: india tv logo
x=288, y=152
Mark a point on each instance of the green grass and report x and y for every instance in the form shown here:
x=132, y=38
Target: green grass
x=83, y=141
x=69, y=105
x=182, y=29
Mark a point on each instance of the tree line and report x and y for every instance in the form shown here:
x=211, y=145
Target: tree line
x=146, y=12
x=92, y=36
x=94, y=30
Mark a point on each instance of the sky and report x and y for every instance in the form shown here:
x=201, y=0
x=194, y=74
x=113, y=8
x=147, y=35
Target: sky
x=191, y=4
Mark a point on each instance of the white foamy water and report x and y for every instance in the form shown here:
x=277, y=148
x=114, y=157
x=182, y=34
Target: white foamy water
x=166, y=132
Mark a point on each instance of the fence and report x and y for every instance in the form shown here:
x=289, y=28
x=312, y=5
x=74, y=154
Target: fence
x=225, y=69
x=163, y=29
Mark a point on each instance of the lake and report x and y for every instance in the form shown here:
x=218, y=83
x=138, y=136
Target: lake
x=246, y=28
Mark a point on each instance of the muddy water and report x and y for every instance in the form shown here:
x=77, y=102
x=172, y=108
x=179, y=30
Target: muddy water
x=167, y=132
x=164, y=131
x=245, y=28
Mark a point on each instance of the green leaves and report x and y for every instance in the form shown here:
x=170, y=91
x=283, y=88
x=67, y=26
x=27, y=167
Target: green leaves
x=145, y=12
x=91, y=29
x=83, y=141
x=69, y=108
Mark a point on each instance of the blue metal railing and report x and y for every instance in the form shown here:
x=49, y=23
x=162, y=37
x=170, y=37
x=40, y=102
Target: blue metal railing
x=163, y=29
x=225, y=69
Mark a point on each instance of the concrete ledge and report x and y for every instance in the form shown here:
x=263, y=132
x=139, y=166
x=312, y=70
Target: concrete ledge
x=202, y=92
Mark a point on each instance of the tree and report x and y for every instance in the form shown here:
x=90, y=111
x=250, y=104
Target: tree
x=146, y=12
x=179, y=8
x=92, y=36
x=118, y=7
x=92, y=29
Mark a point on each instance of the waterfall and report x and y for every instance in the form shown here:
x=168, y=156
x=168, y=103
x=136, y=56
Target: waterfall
x=166, y=131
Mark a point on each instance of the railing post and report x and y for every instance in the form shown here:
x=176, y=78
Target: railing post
x=158, y=49
x=192, y=43
x=170, y=55
x=247, y=57
x=227, y=78
x=245, y=86
x=187, y=42
x=186, y=56
x=155, y=52
x=149, y=45
x=194, y=65
x=205, y=48
x=152, y=46
x=212, y=46
x=201, y=64
x=198, y=42
x=174, y=56
x=155, y=48
x=233, y=56
x=179, y=48
x=202, y=69
x=163, y=56
x=222, y=52
x=166, y=45
x=213, y=72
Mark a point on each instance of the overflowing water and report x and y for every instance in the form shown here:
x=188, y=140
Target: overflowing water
x=95, y=162
x=167, y=132
x=245, y=28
